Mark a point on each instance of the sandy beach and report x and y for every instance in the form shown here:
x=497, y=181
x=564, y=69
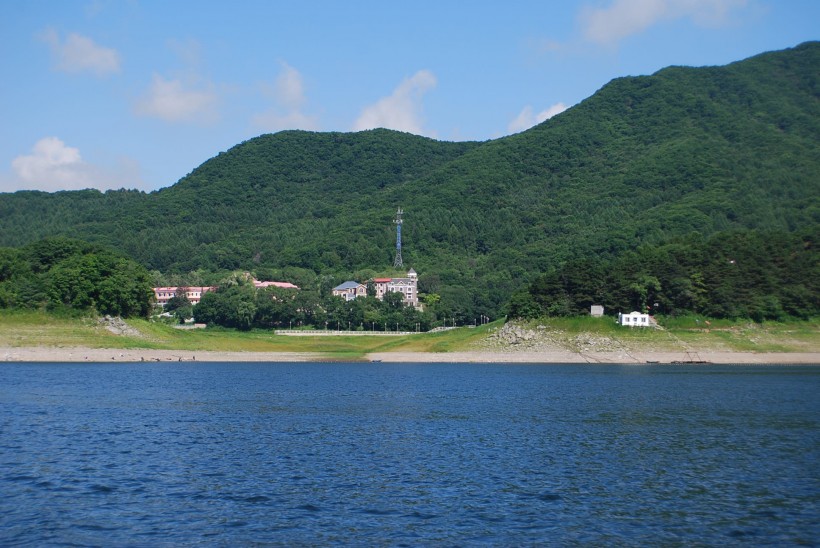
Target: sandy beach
x=79, y=354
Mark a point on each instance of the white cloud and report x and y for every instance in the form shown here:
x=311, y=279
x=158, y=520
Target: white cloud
x=290, y=89
x=527, y=118
x=622, y=18
x=175, y=101
x=402, y=110
x=188, y=51
x=288, y=96
x=52, y=166
x=80, y=54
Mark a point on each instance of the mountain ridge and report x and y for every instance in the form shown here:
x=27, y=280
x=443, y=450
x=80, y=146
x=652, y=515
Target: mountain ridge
x=643, y=160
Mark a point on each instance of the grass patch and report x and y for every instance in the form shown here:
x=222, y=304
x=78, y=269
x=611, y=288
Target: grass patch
x=34, y=328
x=688, y=333
x=577, y=324
x=37, y=328
x=745, y=336
x=451, y=340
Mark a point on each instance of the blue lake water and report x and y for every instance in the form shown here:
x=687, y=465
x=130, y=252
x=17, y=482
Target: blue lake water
x=408, y=454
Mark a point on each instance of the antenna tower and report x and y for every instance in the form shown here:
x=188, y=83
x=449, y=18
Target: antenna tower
x=398, y=262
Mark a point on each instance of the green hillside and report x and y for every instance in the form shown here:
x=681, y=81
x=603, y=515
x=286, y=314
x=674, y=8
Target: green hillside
x=643, y=161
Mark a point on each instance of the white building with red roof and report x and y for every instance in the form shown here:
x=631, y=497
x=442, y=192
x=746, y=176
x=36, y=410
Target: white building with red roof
x=407, y=286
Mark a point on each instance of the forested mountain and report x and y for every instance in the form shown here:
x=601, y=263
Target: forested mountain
x=643, y=161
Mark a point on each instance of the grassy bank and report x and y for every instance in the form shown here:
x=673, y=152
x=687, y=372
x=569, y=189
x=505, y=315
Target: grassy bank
x=687, y=333
x=28, y=328
x=32, y=329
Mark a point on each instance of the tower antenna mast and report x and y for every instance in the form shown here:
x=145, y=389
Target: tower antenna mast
x=398, y=262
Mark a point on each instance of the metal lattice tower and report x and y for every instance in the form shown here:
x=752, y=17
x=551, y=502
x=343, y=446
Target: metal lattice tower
x=398, y=262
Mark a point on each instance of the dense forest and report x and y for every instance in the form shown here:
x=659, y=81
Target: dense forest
x=66, y=275
x=683, y=155
x=739, y=274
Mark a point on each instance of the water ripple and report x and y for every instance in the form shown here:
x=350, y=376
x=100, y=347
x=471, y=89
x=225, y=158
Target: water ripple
x=404, y=454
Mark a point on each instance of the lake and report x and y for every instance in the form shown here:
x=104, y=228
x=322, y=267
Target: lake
x=408, y=454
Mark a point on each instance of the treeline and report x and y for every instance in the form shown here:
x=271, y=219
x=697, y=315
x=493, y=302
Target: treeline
x=238, y=304
x=61, y=274
x=446, y=300
x=755, y=275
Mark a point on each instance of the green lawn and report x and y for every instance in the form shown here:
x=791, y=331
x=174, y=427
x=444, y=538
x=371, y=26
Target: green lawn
x=30, y=328
x=27, y=328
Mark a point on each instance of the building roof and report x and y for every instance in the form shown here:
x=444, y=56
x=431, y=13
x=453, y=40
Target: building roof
x=190, y=288
x=382, y=280
x=285, y=285
x=346, y=285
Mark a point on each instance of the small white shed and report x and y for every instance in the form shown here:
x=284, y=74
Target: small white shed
x=634, y=319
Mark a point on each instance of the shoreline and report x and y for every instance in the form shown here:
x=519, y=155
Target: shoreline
x=97, y=355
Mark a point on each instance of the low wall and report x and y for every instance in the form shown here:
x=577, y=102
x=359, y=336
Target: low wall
x=342, y=333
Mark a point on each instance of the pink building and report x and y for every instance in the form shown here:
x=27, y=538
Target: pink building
x=285, y=285
x=194, y=293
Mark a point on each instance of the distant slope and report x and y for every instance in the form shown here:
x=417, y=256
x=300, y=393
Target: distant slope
x=291, y=197
x=645, y=159
x=652, y=157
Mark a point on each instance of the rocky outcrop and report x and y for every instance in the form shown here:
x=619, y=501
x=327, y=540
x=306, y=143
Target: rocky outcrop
x=117, y=326
x=514, y=336
x=586, y=342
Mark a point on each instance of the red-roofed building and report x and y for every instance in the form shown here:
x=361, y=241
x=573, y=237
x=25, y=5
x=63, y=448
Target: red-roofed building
x=194, y=293
x=381, y=286
x=284, y=285
x=407, y=286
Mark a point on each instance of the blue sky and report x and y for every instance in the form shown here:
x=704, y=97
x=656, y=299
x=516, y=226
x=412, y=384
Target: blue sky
x=137, y=93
